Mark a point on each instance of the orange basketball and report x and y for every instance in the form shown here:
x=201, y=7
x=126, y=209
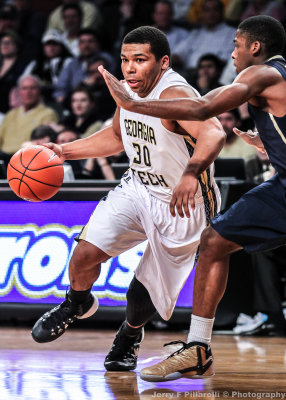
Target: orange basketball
x=35, y=173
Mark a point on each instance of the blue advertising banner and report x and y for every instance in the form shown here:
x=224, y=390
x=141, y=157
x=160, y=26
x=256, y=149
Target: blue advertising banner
x=36, y=243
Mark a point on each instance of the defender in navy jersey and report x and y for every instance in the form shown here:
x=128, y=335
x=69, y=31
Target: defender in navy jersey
x=258, y=220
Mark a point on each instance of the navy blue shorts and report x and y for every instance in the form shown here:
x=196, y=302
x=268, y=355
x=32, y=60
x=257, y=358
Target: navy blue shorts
x=257, y=221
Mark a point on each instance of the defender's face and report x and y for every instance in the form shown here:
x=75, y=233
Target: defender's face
x=140, y=68
x=241, y=53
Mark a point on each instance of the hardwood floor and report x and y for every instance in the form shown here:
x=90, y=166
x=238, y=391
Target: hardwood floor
x=71, y=368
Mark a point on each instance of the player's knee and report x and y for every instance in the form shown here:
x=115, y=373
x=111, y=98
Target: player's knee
x=86, y=255
x=210, y=242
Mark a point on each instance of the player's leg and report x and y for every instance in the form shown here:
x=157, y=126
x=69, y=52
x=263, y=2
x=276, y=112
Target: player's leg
x=195, y=358
x=210, y=282
x=124, y=351
x=252, y=223
x=112, y=229
x=84, y=269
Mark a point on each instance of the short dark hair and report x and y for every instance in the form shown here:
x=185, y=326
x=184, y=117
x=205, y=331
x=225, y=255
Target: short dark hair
x=83, y=89
x=90, y=32
x=266, y=30
x=95, y=58
x=72, y=6
x=42, y=131
x=219, y=64
x=235, y=113
x=167, y=3
x=158, y=41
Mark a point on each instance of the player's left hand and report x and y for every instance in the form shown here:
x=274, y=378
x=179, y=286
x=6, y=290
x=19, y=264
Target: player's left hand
x=184, y=196
x=116, y=88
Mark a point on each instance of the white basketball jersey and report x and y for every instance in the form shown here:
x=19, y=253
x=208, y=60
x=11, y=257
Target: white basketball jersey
x=157, y=156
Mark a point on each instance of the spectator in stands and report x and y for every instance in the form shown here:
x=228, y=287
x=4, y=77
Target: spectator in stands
x=214, y=36
x=85, y=169
x=91, y=16
x=122, y=17
x=84, y=118
x=9, y=18
x=194, y=13
x=76, y=71
x=163, y=19
x=95, y=83
x=40, y=135
x=181, y=8
x=18, y=123
x=234, y=146
x=66, y=136
x=267, y=318
x=72, y=17
x=272, y=8
x=47, y=67
x=207, y=74
x=31, y=27
x=11, y=66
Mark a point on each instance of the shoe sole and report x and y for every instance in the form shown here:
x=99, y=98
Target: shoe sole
x=114, y=366
x=91, y=310
x=172, y=377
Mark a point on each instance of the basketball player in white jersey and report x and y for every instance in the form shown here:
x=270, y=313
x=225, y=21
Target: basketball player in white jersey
x=162, y=154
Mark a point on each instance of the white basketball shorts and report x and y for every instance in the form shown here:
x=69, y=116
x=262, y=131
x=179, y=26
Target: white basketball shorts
x=128, y=216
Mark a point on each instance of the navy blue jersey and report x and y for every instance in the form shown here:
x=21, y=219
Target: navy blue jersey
x=272, y=130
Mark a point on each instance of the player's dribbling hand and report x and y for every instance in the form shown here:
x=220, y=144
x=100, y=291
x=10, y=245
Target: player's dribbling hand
x=57, y=148
x=251, y=138
x=184, y=196
x=117, y=90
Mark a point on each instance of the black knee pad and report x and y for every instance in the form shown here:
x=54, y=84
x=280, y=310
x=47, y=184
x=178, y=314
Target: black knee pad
x=139, y=307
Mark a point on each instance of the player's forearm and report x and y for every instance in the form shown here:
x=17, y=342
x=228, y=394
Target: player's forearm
x=207, y=149
x=193, y=109
x=101, y=144
x=176, y=109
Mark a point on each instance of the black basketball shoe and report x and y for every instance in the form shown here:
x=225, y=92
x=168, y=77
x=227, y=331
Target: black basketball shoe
x=55, y=322
x=124, y=351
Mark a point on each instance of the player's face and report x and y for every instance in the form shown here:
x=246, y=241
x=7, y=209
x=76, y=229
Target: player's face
x=241, y=53
x=140, y=68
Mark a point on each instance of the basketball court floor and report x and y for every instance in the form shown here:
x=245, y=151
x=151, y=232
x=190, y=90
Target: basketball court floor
x=71, y=368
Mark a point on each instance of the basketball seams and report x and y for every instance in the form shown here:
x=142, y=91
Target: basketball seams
x=40, y=169
x=31, y=191
x=33, y=179
x=21, y=158
x=21, y=161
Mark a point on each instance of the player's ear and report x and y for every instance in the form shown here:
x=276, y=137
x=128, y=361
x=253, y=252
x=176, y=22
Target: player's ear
x=256, y=48
x=165, y=62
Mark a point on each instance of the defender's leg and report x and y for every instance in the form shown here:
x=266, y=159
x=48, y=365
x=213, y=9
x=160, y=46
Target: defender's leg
x=195, y=358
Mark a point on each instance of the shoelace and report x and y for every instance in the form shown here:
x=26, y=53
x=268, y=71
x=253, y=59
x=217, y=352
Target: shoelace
x=122, y=344
x=184, y=347
x=60, y=317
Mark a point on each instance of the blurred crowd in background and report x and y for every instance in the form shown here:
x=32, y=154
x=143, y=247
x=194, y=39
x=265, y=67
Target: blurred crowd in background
x=50, y=86
x=51, y=90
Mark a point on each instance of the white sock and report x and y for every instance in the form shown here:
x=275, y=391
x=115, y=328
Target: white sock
x=200, y=329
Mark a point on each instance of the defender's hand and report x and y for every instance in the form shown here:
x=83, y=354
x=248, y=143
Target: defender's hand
x=251, y=138
x=116, y=88
x=184, y=196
